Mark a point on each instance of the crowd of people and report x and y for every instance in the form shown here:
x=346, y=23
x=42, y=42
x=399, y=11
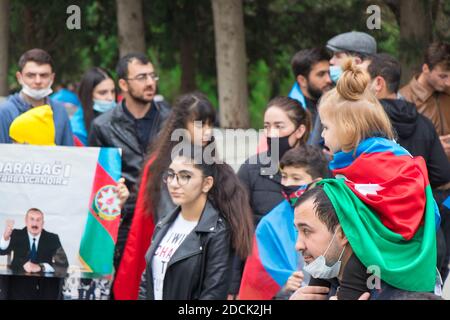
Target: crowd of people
x=356, y=210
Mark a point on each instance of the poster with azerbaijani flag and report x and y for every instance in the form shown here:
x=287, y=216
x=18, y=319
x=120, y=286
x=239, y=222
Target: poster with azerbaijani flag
x=75, y=189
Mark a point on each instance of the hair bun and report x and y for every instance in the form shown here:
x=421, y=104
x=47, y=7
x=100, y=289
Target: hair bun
x=353, y=82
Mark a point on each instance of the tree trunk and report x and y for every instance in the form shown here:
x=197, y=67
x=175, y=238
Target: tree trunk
x=130, y=22
x=4, y=46
x=442, y=22
x=415, y=35
x=231, y=63
x=188, y=67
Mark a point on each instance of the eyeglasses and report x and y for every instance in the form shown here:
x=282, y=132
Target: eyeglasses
x=182, y=178
x=143, y=77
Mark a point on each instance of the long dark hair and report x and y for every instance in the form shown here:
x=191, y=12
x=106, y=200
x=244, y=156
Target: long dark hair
x=193, y=106
x=90, y=80
x=227, y=195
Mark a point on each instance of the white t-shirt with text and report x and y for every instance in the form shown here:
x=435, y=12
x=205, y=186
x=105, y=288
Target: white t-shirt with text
x=174, y=237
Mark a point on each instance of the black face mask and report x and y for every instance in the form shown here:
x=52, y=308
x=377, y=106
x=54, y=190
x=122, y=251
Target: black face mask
x=292, y=193
x=283, y=145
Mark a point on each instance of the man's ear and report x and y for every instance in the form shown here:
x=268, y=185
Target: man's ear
x=425, y=68
x=357, y=60
x=123, y=85
x=18, y=76
x=341, y=236
x=379, y=84
x=302, y=81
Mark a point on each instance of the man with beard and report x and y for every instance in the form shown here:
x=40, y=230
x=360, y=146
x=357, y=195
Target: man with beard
x=131, y=126
x=310, y=68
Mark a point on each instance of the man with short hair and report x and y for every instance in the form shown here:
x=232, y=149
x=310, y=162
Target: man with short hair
x=430, y=90
x=358, y=46
x=354, y=44
x=131, y=126
x=335, y=230
x=36, y=77
x=415, y=132
x=311, y=71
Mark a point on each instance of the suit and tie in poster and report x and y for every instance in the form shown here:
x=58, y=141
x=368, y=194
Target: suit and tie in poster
x=59, y=217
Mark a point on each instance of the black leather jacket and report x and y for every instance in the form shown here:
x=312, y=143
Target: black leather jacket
x=116, y=129
x=200, y=268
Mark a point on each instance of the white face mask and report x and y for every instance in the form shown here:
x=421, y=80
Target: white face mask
x=36, y=94
x=318, y=268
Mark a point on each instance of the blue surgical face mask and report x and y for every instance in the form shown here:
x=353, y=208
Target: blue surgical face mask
x=318, y=268
x=335, y=73
x=103, y=105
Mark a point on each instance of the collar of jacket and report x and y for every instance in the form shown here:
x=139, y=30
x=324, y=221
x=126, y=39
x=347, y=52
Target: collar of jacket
x=119, y=111
x=207, y=223
x=23, y=105
x=419, y=91
x=266, y=167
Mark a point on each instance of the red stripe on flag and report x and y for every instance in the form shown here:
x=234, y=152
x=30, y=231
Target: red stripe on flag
x=102, y=179
x=132, y=264
x=400, y=202
x=256, y=283
x=77, y=142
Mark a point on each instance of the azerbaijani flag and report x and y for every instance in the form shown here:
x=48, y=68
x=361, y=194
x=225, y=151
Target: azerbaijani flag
x=407, y=265
x=132, y=264
x=77, y=142
x=395, y=185
x=100, y=234
x=273, y=258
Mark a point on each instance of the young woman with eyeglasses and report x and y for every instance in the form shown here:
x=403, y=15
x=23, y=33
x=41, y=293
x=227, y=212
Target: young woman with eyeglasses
x=191, y=119
x=192, y=249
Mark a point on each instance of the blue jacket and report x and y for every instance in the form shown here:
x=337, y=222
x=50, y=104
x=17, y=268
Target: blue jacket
x=315, y=136
x=78, y=126
x=15, y=106
x=297, y=94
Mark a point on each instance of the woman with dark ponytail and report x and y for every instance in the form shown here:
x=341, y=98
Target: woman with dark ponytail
x=287, y=125
x=192, y=248
x=191, y=120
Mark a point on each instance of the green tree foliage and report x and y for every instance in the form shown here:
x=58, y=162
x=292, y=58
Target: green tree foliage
x=275, y=30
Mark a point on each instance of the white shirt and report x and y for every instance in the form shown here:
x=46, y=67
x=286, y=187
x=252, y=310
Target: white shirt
x=4, y=244
x=174, y=237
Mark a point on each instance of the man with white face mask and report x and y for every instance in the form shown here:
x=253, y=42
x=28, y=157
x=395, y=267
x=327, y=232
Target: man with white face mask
x=328, y=252
x=36, y=78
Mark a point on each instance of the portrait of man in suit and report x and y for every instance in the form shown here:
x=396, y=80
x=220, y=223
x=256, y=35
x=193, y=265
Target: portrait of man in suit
x=35, y=252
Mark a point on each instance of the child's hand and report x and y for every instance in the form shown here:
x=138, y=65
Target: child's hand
x=295, y=281
x=123, y=192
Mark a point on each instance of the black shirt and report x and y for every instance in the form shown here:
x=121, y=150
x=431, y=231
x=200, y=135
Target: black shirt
x=143, y=125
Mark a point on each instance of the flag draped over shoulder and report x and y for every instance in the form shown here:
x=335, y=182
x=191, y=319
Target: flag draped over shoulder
x=273, y=257
x=407, y=265
x=132, y=265
x=390, y=181
x=100, y=234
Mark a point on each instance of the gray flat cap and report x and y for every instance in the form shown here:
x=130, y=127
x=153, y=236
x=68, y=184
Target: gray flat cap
x=353, y=41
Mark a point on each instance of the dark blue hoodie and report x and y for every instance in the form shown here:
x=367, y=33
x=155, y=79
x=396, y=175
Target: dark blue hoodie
x=15, y=106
